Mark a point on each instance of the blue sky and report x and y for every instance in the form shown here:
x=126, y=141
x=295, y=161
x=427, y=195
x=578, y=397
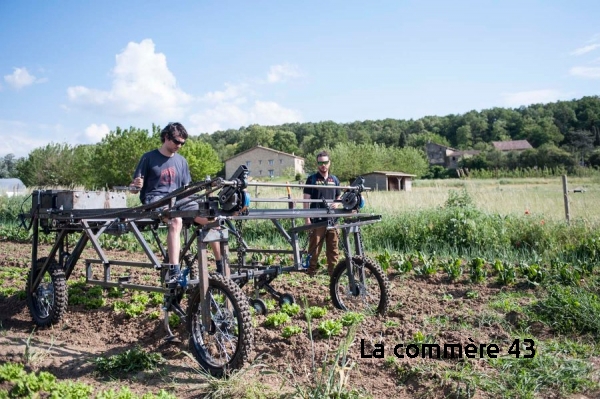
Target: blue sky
x=70, y=71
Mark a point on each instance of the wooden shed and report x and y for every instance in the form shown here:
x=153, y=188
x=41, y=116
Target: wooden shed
x=389, y=181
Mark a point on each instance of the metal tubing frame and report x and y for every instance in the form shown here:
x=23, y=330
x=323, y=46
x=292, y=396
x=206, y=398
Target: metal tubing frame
x=93, y=223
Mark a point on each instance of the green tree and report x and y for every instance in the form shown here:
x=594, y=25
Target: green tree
x=256, y=135
x=8, y=165
x=116, y=156
x=51, y=165
x=464, y=137
x=285, y=141
x=202, y=159
x=347, y=165
x=419, y=140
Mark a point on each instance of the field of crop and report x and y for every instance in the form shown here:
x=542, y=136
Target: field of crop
x=479, y=264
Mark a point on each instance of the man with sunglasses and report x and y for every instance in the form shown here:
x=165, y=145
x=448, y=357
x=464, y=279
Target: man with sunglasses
x=161, y=171
x=322, y=234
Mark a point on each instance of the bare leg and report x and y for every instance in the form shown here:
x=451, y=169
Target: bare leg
x=216, y=247
x=174, y=240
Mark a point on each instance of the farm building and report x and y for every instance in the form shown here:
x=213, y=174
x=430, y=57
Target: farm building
x=389, y=181
x=512, y=145
x=445, y=156
x=10, y=187
x=265, y=162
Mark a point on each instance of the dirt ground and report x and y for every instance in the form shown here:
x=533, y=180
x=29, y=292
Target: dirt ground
x=67, y=350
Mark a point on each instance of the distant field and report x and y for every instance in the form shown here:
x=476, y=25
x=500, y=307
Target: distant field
x=542, y=197
x=503, y=196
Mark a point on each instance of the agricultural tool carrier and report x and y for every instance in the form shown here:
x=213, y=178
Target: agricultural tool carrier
x=217, y=314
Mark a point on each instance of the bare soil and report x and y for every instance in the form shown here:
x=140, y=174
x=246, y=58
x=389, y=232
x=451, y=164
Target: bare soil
x=67, y=350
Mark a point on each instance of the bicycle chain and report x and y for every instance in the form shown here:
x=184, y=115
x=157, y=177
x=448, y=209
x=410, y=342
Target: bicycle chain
x=241, y=251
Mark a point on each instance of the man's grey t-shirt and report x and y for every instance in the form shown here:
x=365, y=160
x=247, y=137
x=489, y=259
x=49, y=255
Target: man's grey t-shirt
x=161, y=174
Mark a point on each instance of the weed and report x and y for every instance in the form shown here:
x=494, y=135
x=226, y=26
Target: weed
x=546, y=372
x=569, y=310
x=132, y=360
x=238, y=384
x=331, y=379
x=472, y=294
x=32, y=356
x=391, y=323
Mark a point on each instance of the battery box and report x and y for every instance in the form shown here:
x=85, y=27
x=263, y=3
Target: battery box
x=67, y=200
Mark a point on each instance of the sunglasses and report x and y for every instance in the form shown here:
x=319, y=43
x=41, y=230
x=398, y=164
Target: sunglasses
x=322, y=163
x=174, y=140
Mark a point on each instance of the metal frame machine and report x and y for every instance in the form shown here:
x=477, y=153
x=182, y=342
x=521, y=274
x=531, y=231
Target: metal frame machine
x=217, y=311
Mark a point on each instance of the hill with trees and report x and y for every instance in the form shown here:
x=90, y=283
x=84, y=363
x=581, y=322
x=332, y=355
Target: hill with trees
x=564, y=134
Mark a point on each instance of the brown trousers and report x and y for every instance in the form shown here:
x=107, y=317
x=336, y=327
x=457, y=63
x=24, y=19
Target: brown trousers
x=315, y=245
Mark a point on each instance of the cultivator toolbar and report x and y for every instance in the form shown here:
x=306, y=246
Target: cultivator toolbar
x=217, y=315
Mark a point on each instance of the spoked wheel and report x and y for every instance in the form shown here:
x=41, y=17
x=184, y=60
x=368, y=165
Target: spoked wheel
x=368, y=294
x=226, y=344
x=48, y=302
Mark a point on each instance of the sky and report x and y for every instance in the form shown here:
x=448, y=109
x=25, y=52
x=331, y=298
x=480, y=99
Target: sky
x=72, y=71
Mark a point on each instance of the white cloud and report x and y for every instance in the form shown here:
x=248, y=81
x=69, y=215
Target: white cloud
x=94, y=133
x=19, y=138
x=531, y=97
x=142, y=85
x=21, y=78
x=586, y=72
x=233, y=93
x=586, y=49
x=283, y=72
x=239, y=105
x=231, y=116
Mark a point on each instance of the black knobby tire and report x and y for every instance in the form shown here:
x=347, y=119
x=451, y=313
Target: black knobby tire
x=259, y=306
x=287, y=299
x=369, y=295
x=48, y=303
x=191, y=261
x=228, y=342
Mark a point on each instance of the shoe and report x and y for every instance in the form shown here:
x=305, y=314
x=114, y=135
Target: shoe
x=312, y=271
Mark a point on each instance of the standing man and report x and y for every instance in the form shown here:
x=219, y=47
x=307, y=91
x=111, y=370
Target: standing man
x=321, y=234
x=162, y=171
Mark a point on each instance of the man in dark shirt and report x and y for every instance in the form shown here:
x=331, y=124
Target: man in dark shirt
x=322, y=234
x=162, y=171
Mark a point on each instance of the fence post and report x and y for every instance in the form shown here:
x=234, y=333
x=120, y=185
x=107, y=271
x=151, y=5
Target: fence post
x=566, y=197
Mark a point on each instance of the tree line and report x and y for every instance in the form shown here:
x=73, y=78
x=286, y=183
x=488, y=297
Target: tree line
x=563, y=133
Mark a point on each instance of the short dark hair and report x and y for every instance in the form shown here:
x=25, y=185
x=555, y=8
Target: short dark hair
x=323, y=154
x=171, y=129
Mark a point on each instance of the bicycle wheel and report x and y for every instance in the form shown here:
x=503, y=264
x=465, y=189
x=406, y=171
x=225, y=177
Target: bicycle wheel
x=370, y=291
x=227, y=343
x=48, y=302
